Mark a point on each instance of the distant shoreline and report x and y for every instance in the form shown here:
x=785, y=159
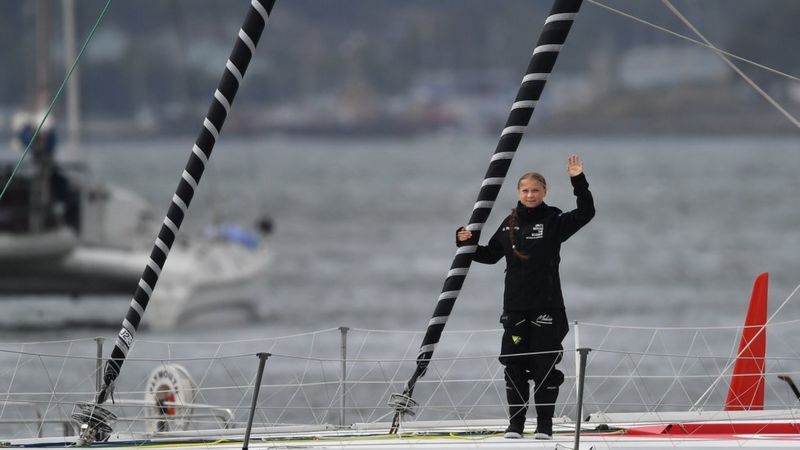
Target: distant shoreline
x=531, y=135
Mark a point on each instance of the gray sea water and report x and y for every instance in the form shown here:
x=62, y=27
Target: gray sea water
x=364, y=229
x=364, y=235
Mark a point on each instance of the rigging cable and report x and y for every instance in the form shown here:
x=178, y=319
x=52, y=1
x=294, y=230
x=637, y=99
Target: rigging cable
x=694, y=41
x=725, y=56
x=56, y=97
x=774, y=103
x=761, y=329
x=749, y=81
x=722, y=53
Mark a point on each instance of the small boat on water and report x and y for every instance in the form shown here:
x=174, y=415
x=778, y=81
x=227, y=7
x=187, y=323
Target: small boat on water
x=65, y=233
x=87, y=239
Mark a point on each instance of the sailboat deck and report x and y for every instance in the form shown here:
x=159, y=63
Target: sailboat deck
x=644, y=388
x=476, y=434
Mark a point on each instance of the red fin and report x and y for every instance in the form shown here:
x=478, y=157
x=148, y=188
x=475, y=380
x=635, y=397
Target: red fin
x=746, y=392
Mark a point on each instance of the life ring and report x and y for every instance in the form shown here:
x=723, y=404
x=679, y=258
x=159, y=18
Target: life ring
x=169, y=395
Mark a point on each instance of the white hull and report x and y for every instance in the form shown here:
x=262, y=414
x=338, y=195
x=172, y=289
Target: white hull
x=485, y=435
x=103, y=253
x=209, y=275
x=36, y=248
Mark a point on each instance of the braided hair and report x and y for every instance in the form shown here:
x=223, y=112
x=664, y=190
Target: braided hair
x=513, y=219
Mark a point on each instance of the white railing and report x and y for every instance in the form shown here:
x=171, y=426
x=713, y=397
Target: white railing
x=336, y=377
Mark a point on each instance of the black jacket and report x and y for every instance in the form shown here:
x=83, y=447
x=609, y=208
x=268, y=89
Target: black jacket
x=534, y=284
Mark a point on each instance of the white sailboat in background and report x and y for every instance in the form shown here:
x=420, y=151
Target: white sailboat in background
x=65, y=232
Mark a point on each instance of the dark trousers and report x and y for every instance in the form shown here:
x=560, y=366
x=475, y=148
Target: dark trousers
x=539, y=332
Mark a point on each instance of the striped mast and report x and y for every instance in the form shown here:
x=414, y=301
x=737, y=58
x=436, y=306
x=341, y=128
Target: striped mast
x=235, y=67
x=551, y=39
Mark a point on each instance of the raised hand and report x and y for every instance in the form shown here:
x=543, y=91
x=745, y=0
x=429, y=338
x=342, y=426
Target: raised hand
x=574, y=165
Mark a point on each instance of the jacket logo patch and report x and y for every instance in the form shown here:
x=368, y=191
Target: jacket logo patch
x=537, y=232
x=544, y=319
x=516, y=339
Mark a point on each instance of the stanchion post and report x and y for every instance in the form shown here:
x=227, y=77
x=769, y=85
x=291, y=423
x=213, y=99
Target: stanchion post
x=576, y=327
x=98, y=374
x=582, y=353
x=262, y=360
x=343, y=377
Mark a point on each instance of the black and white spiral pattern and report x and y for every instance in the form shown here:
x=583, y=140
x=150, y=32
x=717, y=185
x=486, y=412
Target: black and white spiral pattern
x=555, y=31
x=235, y=67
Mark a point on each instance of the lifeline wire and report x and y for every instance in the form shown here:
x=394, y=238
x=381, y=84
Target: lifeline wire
x=745, y=347
x=56, y=97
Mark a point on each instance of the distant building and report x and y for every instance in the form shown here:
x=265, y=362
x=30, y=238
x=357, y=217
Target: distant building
x=568, y=92
x=645, y=67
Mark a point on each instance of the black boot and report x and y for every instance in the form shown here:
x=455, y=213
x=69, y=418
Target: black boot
x=544, y=428
x=517, y=395
x=545, y=395
x=516, y=425
x=545, y=408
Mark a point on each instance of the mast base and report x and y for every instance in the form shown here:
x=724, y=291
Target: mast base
x=94, y=422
